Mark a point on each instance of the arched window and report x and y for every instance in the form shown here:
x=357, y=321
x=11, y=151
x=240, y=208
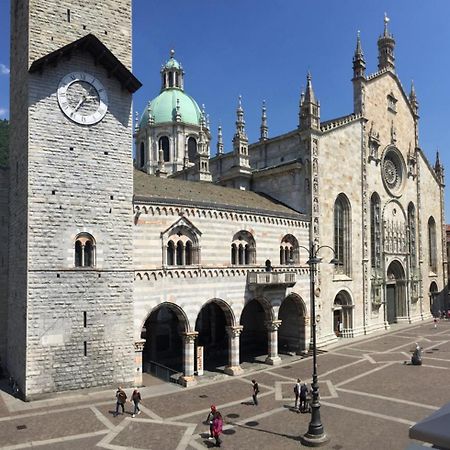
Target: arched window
x=180, y=251
x=375, y=231
x=432, y=251
x=192, y=149
x=243, y=249
x=188, y=250
x=342, y=234
x=412, y=234
x=289, y=250
x=165, y=146
x=84, y=250
x=171, y=253
x=170, y=79
x=182, y=247
x=233, y=254
x=142, y=155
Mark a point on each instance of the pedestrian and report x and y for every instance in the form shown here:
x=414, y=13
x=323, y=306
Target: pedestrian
x=210, y=420
x=435, y=320
x=255, y=392
x=136, y=399
x=217, y=427
x=303, y=394
x=121, y=398
x=297, y=393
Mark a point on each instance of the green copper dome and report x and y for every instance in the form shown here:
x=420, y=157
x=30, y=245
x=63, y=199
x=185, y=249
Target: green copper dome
x=164, y=108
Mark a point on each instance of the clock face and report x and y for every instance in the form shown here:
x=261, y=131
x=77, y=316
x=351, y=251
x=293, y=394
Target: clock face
x=82, y=98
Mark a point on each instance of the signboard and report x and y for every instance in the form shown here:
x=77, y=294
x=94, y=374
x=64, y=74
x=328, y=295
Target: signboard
x=199, y=360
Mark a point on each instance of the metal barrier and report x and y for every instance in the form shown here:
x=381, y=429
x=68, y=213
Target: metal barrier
x=163, y=372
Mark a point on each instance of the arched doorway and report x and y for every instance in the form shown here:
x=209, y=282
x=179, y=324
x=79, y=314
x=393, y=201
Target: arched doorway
x=211, y=325
x=395, y=292
x=253, y=340
x=163, y=348
x=434, y=305
x=343, y=315
x=291, y=334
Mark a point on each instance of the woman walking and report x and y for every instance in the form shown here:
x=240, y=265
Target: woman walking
x=217, y=427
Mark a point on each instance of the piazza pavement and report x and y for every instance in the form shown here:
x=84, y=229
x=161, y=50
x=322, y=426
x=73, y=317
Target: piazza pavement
x=369, y=396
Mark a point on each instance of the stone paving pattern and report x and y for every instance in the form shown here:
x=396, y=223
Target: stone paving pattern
x=369, y=395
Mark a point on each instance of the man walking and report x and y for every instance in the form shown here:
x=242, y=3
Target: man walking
x=255, y=392
x=136, y=399
x=121, y=398
x=303, y=394
x=297, y=393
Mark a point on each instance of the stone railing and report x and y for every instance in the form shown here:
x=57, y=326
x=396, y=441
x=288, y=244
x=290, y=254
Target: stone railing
x=263, y=279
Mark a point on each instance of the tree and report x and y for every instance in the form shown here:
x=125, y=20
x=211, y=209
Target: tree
x=4, y=142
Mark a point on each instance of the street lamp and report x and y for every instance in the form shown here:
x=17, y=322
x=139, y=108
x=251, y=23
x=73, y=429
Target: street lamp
x=315, y=436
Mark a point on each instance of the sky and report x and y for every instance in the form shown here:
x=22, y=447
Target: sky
x=262, y=50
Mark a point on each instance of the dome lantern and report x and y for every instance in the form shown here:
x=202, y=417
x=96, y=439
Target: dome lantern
x=172, y=74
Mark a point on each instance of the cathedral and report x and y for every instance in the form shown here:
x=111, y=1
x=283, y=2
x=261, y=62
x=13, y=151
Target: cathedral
x=177, y=262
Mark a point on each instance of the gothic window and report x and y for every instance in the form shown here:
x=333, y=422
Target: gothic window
x=412, y=234
x=342, y=234
x=165, y=146
x=84, y=250
x=243, y=249
x=142, y=155
x=432, y=251
x=182, y=246
x=289, y=250
x=192, y=149
x=375, y=231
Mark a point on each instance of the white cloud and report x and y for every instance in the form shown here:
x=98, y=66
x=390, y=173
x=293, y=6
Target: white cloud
x=3, y=113
x=4, y=70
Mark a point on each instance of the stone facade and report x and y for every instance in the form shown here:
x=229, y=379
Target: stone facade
x=4, y=182
x=112, y=270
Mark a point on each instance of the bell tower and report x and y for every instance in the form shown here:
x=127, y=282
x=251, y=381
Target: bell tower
x=71, y=189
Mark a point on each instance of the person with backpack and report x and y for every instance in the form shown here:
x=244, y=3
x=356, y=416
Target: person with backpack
x=217, y=427
x=303, y=394
x=255, y=392
x=121, y=398
x=136, y=399
x=297, y=393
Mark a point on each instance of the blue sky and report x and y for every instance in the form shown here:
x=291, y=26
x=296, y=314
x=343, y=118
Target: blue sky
x=262, y=49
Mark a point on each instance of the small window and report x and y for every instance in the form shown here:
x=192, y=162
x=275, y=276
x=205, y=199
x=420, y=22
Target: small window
x=192, y=149
x=84, y=250
x=165, y=146
x=392, y=103
x=142, y=155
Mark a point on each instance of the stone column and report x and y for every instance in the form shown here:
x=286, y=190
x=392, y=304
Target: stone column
x=188, y=377
x=272, y=330
x=233, y=367
x=138, y=349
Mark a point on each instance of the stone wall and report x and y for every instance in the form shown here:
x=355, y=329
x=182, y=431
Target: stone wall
x=4, y=218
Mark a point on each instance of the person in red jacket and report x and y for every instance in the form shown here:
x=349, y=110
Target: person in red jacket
x=217, y=427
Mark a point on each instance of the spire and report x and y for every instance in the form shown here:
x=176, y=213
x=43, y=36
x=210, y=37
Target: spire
x=240, y=122
x=438, y=168
x=203, y=117
x=136, y=122
x=359, y=64
x=309, y=107
x=386, y=44
x=219, y=141
x=264, y=128
x=178, y=112
x=413, y=99
x=309, y=94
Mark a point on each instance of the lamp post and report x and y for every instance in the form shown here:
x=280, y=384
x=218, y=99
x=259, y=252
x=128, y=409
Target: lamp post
x=315, y=436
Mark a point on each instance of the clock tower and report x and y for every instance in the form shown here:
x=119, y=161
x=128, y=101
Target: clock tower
x=70, y=306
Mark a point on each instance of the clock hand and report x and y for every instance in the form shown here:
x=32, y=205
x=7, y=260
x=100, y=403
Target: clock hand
x=82, y=100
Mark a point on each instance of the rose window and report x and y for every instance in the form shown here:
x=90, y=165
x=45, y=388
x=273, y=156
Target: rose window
x=392, y=171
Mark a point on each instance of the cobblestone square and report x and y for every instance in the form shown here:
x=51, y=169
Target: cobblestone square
x=369, y=399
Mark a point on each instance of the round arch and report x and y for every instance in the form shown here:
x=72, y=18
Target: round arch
x=343, y=314
x=163, y=331
x=254, y=317
x=433, y=292
x=395, y=292
x=291, y=334
x=212, y=321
